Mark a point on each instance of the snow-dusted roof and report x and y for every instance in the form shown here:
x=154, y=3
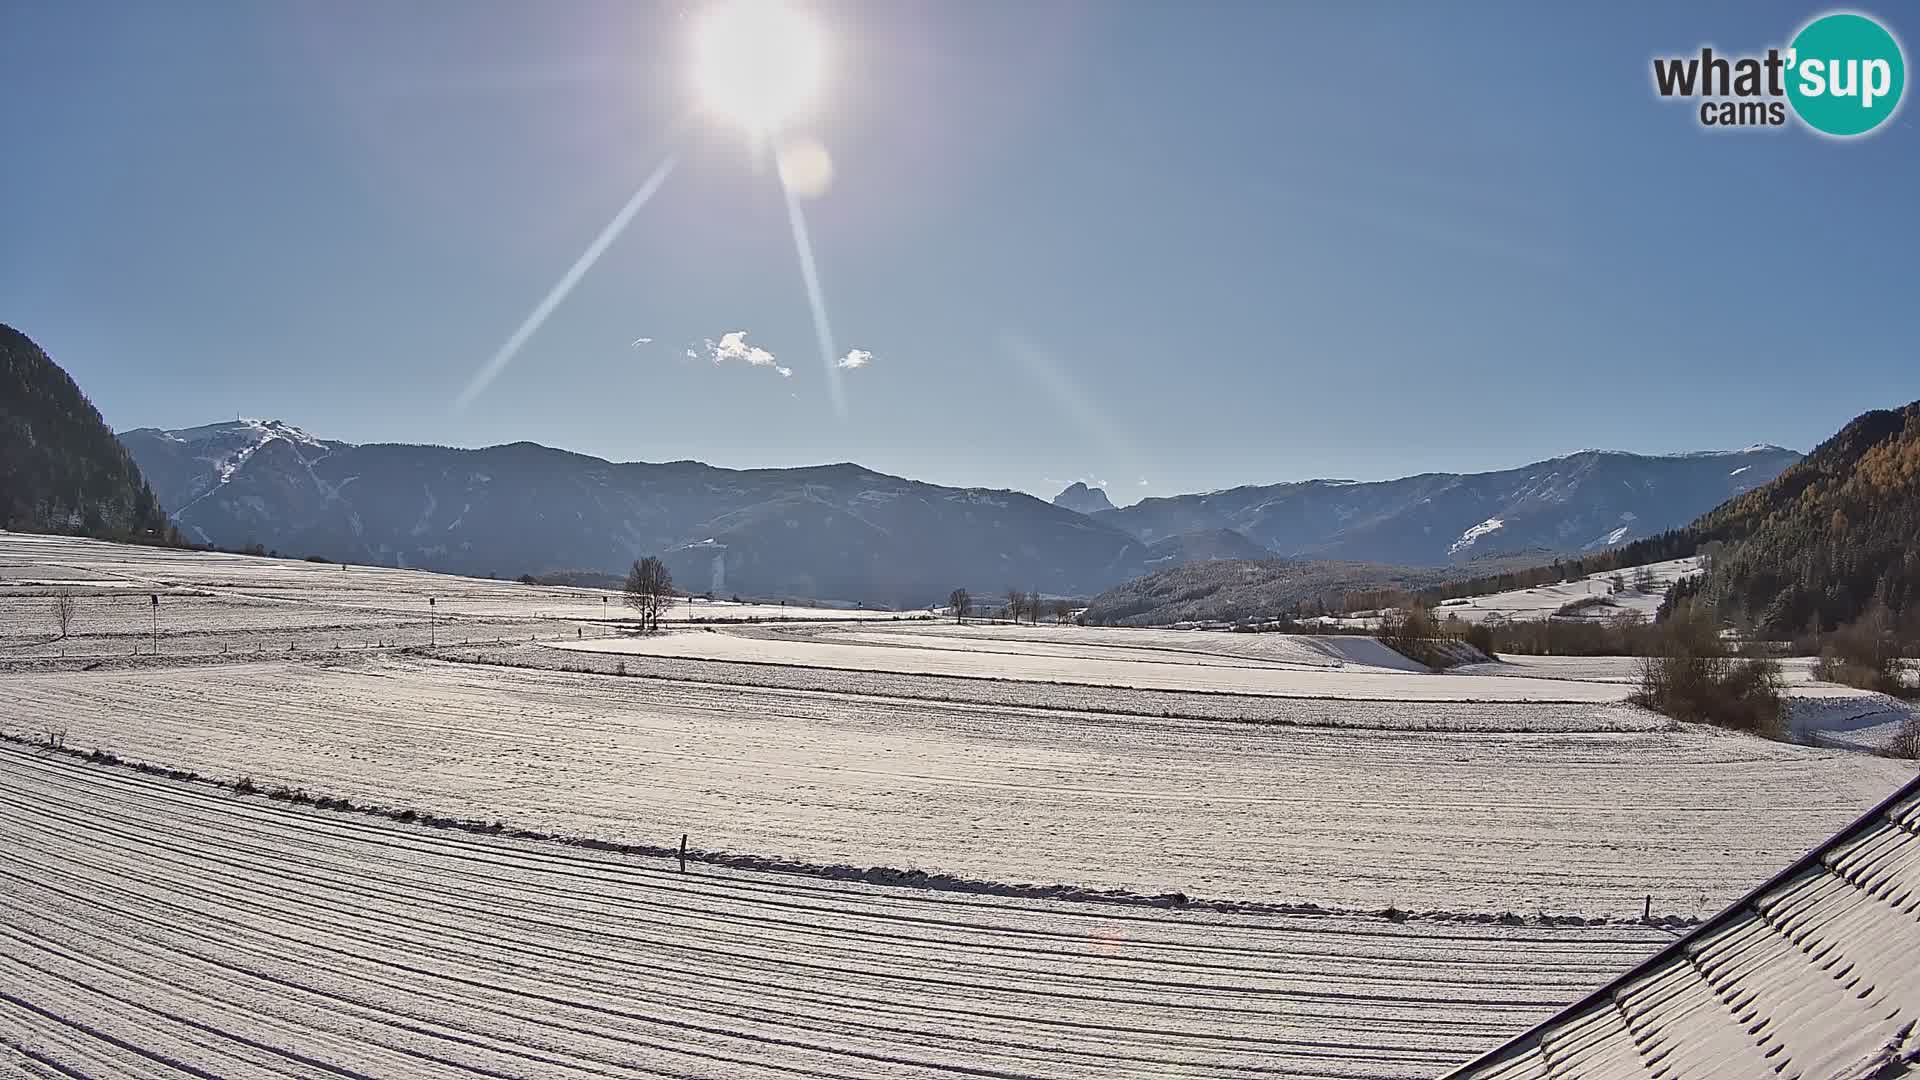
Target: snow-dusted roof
x=1814, y=974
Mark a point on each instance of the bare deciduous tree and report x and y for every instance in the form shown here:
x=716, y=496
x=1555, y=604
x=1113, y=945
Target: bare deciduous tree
x=649, y=586
x=1062, y=610
x=1016, y=604
x=63, y=612
x=960, y=603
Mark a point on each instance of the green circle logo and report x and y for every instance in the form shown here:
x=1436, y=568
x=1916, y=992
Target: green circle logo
x=1845, y=74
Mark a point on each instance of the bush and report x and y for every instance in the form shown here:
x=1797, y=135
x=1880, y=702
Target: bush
x=1480, y=636
x=1906, y=742
x=1625, y=633
x=1415, y=634
x=1585, y=603
x=1864, y=654
x=1693, y=678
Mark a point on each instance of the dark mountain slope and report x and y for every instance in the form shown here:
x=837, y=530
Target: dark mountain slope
x=1082, y=499
x=1830, y=537
x=831, y=531
x=1582, y=502
x=60, y=468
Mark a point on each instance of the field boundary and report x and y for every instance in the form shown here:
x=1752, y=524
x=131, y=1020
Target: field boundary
x=415, y=649
x=1664, y=723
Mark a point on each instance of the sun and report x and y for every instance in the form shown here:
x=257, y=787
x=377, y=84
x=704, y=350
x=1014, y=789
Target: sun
x=757, y=63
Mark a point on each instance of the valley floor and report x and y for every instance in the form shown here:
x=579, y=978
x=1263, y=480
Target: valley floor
x=1432, y=820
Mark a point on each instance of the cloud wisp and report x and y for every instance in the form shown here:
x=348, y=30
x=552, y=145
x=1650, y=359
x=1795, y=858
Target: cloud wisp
x=854, y=360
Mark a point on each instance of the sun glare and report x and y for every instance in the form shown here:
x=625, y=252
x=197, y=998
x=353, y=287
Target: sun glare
x=757, y=63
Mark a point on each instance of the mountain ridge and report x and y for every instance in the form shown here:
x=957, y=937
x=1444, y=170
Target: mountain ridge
x=1588, y=500
x=839, y=530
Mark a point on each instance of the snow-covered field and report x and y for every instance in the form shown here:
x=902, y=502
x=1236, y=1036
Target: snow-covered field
x=210, y=601
x=1350, y=668
x=1582, y=822
x=154, y=927
x=148, y=921
x=1539, y=603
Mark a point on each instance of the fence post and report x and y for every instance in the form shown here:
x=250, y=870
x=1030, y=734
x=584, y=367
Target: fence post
x=683, y=853
x=1646, y=915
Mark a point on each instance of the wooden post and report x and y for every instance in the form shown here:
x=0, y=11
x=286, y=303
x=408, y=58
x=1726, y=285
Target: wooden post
x=1646, y=915
x=683, y=853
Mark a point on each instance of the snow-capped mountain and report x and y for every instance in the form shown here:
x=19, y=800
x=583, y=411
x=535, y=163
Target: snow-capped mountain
x=846, y=532
x=831, y=531
x=1582, y=502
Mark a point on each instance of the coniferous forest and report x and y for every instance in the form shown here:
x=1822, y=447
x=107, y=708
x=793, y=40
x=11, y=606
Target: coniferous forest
x=61, y=469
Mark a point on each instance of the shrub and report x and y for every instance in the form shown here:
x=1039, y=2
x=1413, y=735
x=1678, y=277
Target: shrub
x=1864, y=654
x=1625, y=633
x=1415, y=634
x=1585, y=603
x=1693, y=678
x=1480, y=636
x=1906, y=741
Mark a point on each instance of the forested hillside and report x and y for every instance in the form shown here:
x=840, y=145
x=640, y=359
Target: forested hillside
x=61, y=469
x=1830, y=538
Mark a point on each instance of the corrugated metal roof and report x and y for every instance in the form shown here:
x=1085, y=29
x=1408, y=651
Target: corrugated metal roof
x=1814, y=975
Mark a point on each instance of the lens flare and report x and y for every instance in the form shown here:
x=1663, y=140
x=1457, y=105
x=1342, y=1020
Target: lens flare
x=757, y=63
x=500, y=359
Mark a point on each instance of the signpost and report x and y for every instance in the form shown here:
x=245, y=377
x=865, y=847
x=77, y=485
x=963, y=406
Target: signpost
x=154, y=599
x=432, y=631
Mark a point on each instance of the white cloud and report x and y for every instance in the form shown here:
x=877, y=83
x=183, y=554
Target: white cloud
x=639, y=341
x=1144, y=482
x=854, y=360
x=692, y=354
x=733, y=346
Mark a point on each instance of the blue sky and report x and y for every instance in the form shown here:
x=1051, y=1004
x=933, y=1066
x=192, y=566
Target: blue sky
x=1187, y=244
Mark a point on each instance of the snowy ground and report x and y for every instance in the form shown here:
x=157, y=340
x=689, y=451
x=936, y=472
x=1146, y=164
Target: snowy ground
x=210, y=602
x=1539, y=603
x=146, y=917
x=148, y=921
x=1581, y=822
x=1341, y=667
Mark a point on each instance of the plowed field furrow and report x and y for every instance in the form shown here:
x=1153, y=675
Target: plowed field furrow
x=157, y=928
x=1587, y=822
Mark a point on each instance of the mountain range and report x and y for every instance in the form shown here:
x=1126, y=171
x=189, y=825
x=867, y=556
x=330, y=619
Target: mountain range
x=830, y=531
x=1585, y=501
x=849, y=533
